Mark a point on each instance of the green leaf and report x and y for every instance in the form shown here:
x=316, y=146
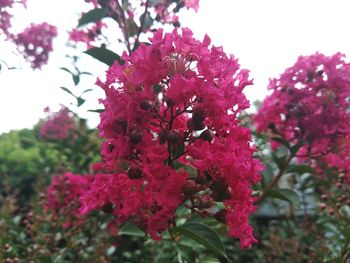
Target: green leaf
x=67, y=70
x=281, y=141
x=97, y=110
x=68, y=91
x=76, y=79
x=92, y=16
x=204, y=235
x=86, y=91
x=80, y=101
x=294, y=149
x=104, y=55
x=280, y=161
x=301, y=169
x=147, y=20
x=131, y=230
x=132, y=27
x=288, y=195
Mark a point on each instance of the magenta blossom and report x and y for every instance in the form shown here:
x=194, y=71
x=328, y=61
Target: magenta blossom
x=57, y=126
x=309, y=105
x=172, y=137
x=35, y=43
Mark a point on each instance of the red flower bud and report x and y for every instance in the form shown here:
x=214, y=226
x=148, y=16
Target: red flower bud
x=205, y=202
x=206, y=135
x=135, y=137
x=145, y=105
x=190, y=188
x=221, y=216
x=135, y=173
x=174, y=137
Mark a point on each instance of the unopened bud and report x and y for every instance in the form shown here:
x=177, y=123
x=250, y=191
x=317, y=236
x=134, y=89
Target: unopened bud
x=221, y=216
x=145, y=105
x=221, y=196
x=135, y=173
x=322, y=206
x=206, y=136
x=218, y=186
x=331, y=211
x=135, y=137
x=203, y=178
x=190, y=188
x=108, y=208
x=205, y=202
x=324, y=197
x=174, y=137
x=162, y=137
x=198, y=119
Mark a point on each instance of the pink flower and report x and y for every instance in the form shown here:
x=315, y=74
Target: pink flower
x=63, y=197
x=173, y=105
x=57, y=126
x=310, y=104
x=87, y=35
x=194, y=4
x=35, y=43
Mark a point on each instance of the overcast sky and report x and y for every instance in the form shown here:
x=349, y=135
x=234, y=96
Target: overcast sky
x=266, y=35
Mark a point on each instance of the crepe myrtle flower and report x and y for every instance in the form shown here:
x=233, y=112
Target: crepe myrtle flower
x=172, y=137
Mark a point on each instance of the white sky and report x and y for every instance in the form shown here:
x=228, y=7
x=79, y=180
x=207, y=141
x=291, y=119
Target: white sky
x=266, y=35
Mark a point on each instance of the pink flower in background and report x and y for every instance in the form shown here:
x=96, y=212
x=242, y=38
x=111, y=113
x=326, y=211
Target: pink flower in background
x=6, y=16
x=310, y=104
x=194, y=4
x=174, y=105
x=35, y=43
x=57, y=126
x=63, y=196
x=87, y=35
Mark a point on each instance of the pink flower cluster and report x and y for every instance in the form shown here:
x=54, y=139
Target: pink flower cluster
x=5, y=15
x=310, y=104
x=58, y=125
x=87, y=35
x=172, y=137
x=166, y=9
x=63, y=196
x=35, y=43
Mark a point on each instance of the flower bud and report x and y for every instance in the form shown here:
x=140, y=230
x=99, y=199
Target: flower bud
x=108, y=208
x=135, y=136
x=162, y=137
x=324, y=197
x=221, y=196
x=206, y=135
x=322, y=206
x=203, y=178
x=135, y=173
x=221, y=216
x=205, y=202
x=198, y=119
x=218, y=186
x=331, y=211
x=190, y=188
x=145, y=105
x=174, y=137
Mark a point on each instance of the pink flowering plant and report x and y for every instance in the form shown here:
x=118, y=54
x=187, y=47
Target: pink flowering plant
x=177, y=169
x=180, y=142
